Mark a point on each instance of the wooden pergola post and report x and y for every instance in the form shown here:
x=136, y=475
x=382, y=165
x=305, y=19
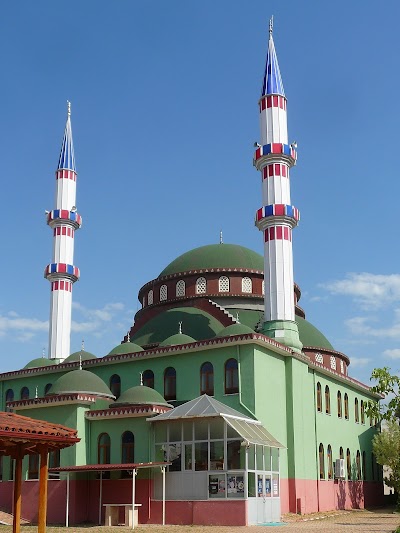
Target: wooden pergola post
x=17, y=490
x=42, y=511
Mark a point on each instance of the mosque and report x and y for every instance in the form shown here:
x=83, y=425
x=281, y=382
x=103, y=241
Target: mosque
x=222, y=405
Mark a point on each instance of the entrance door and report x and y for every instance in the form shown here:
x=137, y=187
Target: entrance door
x=264, y=504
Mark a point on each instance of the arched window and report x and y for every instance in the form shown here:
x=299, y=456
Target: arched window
x=163, y=292
x=348, y=457
x=341, y=456
x=103, y=449
x=247, y=285
x=223, y=284
x=24, y=393
x=327, y=400
x=364, y=465
x=321, y=462
x=362, y=412
x=330, y=462
x=180, y=288
x=47, y=388
x=201, y=285
x=319, y=397
x=358, y=464
x=127, y=448
x=115, y=385
x=346, y=406
x=356, y=415
x=339, y=404
x=207, y=379
x=170, y=383
x=33, y=466
x=150, y=297
x=9, y=398
x=231, y=377
x=148, y=378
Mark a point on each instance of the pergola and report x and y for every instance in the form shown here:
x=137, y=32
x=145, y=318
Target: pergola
x=20, y=436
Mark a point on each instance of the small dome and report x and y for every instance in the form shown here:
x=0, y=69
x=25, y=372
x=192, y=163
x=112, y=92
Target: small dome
x=215, y=256
x=126, y=347
x=81, y=381
x=310, y=336
x=39, y=361
x=140, y=395
x=178, y=338
x=235, y=329
x=81, y=355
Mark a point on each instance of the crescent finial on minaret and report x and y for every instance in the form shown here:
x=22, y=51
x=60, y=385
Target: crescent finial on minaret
x=271, y=24
x=68, y=108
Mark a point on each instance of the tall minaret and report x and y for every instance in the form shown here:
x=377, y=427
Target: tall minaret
x=276, y=219
x=62, y=273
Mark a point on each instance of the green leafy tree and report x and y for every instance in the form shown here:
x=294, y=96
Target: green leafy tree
x=388, y=386
x=386, y=446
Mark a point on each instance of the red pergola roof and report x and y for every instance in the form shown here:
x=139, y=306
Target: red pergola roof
x=106, y=468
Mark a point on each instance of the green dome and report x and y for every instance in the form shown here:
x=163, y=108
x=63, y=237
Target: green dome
x=80, y=381
x=140, y=395
x=39, y=361
x=77, y=356
x=197, y=323
x=178, y=338
x=215, y=256
x=126, y=347
x=311, y=336
x=235, y=329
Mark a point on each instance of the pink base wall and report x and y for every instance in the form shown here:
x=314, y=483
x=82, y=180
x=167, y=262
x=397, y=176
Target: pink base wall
x=297, y=496
x=310, y=496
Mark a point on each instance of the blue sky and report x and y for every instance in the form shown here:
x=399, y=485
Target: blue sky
x=164, y=115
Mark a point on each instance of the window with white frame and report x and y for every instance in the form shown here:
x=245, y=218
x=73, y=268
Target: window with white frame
x=247, y=285
x=201, y=285
x=180, y=288
x=223, y=284
x=150, y=297
x=163, y=292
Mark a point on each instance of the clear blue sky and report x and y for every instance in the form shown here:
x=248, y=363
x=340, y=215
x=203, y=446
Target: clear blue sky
x=164, y=115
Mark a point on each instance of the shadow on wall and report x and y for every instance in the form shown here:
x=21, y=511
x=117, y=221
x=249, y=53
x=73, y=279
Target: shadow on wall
x=352, y=489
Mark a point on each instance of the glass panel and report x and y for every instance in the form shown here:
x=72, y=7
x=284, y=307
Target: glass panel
x=251, y=457
x=188, y=456
x=217, y=428
x=188, y=430
x=175, y=432
x=268, y=486
x=160, y=453
x=235, y=455
x=216, y=486
x=217, y=455
x=231, y=433
x=161, y=432
x=251, y=485
x=174, y=456
x=201, y=430
x=260, y=487
x=259, y=457
x=235, y=486
x=275, y=459
x=267, y=458
x=275, y=485
x=201, y=455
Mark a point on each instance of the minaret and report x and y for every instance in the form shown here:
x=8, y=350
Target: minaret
x=273, y=158
x=62, y=273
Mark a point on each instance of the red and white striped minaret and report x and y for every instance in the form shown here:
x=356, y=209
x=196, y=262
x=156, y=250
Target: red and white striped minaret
x=273, y=158
x=61, y=272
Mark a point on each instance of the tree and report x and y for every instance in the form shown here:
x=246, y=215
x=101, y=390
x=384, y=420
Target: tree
x=388, y=386
x=386, y=446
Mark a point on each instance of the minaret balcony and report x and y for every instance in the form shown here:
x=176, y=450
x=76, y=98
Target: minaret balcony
x=275, y=152
x=71, y=218
x=56, y=271
x=271, y=215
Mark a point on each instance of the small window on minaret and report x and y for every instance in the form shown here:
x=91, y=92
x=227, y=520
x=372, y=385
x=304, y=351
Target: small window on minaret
x=163, y=292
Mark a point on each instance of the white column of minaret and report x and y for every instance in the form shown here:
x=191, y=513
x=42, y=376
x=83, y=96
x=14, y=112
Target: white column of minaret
x=62, y=273
x=274, y=158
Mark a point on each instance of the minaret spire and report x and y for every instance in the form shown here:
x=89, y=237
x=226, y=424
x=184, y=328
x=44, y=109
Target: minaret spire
x=276, y=219
x=61, y=272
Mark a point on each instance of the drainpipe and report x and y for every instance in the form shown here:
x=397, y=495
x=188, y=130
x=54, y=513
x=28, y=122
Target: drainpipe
x=240, y=383
x=316, y=443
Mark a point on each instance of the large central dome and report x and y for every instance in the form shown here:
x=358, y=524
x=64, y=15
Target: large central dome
x=215, y=256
